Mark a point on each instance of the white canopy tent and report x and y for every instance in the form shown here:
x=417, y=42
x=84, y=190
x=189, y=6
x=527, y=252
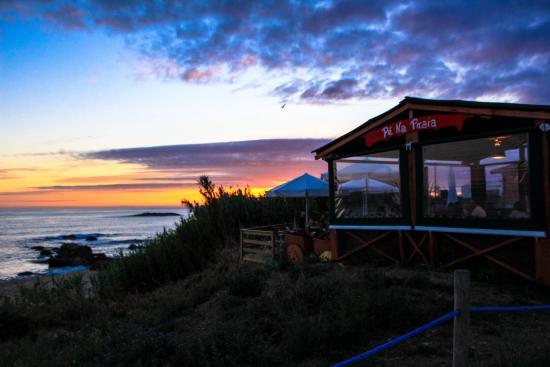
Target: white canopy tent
x=371, y=185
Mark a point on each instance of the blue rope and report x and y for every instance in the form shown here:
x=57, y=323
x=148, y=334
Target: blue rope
x=509, y=309
x=433, y=323
x=399, y=339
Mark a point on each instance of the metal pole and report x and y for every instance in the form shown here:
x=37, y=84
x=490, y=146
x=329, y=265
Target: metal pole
x=461, y=332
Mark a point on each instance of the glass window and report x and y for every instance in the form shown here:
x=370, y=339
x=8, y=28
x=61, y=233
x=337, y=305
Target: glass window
x=477, y=179
x=368, y=186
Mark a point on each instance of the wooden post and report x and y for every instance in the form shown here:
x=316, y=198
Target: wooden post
x=461, y=332
x=542, y=245
x=411, y=156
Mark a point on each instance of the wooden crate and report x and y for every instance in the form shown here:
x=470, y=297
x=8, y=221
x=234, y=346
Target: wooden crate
x=259, y=246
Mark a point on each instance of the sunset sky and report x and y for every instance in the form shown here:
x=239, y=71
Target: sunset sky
x=106, y=103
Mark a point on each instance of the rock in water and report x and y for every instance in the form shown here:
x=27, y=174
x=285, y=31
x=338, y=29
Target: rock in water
x=58, y=262
x=37, y=248
x=46, y=252
x=72, y=254
x=24, y=273
x=152, y=214
x=91, y=238
x=69, y=237
x=71, y=250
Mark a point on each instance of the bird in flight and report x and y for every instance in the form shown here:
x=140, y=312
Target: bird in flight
x=283, y=106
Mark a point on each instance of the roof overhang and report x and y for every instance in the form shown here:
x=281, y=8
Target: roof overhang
x=539, y=112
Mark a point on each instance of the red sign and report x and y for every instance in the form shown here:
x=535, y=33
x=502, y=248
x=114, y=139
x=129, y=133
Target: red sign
x=404, y=127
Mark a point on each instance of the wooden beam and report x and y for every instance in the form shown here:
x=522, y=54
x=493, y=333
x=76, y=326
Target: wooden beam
x=384, y=254
x=412, y=170
x=493, y=259
x=483, y=111
x=257, y=251
x=365, y=244
x=542, y=245
x=378, y=251
x=546, y=177
x=266, y=243
x=481, y=252
x=417, y=248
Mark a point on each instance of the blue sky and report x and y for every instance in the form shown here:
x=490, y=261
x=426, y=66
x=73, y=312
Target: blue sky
x=90, y=90
x=80, y=81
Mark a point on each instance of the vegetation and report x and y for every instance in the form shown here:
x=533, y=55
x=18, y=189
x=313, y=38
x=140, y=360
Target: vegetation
x=185, y=300
x=178, y=252
x=243, y=315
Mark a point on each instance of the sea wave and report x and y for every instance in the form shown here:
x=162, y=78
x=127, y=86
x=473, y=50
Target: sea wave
x=73, y=236
x=100, y=240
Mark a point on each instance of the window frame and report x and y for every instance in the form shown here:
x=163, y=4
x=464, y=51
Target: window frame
x=535, y=223
x=403, y=222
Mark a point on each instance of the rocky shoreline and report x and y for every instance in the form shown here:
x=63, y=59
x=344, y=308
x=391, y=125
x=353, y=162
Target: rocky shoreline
x=69, y=254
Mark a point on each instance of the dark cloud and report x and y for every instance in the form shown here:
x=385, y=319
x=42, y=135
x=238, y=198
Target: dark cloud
x=334, y=90
x=69, y=16
x=113, y=187
x=211, y=155
x=254, y=162
x=333, y=50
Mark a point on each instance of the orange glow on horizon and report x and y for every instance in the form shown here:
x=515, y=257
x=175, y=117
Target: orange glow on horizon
x=62, y=181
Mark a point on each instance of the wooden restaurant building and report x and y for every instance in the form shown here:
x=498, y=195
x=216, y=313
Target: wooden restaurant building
x=447, y=183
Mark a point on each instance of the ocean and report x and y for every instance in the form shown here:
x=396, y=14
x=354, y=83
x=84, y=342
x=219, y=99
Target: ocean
x=115, y=229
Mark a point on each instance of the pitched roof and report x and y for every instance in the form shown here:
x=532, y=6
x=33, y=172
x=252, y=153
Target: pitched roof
x=449, y=105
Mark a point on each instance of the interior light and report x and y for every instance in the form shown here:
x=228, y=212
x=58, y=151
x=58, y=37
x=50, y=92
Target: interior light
x=500, y=152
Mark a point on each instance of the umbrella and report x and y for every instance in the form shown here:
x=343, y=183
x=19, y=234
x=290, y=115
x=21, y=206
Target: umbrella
x=367, y=186
x=303, y=186
x=374, y=186
x=379, y=170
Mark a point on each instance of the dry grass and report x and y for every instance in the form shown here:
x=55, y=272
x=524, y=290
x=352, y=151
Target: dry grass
x=245, y=315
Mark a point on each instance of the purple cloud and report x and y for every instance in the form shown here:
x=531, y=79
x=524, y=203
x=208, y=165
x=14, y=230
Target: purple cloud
x=238, y=153
x=254, y=162
x=322, y=51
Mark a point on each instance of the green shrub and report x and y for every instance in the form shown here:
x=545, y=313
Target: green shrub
x=192, y=244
